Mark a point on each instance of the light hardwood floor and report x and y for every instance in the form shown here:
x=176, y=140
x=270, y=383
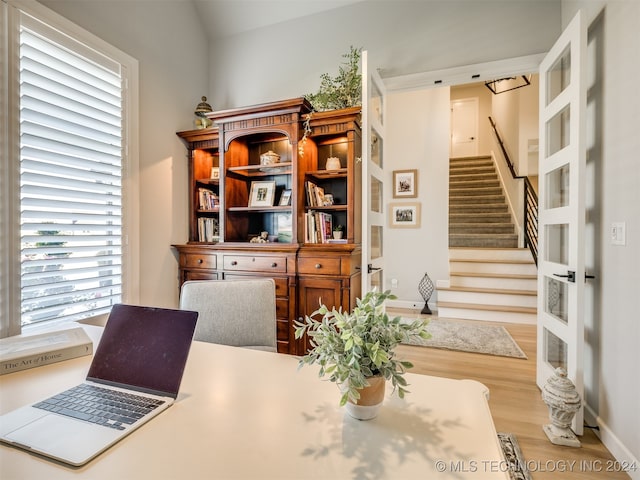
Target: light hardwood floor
x=516, y=404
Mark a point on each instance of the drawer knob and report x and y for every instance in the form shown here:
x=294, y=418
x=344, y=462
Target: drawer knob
x=318, y=265
x=274, y=265
x=200, y=260
x=234, y=262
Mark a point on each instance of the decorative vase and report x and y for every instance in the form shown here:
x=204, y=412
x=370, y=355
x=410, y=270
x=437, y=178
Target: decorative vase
x=370, y=401
x=269, y=158
x=333, y=163
x=425, y=287
x=562, y=399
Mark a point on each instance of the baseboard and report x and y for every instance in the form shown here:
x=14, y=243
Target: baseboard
x=409, y=304
x=609, y=439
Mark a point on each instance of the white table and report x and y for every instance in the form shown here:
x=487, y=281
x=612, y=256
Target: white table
x=245, y=414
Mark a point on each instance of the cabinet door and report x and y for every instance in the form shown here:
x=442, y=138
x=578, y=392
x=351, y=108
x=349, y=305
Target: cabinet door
x=312, y=292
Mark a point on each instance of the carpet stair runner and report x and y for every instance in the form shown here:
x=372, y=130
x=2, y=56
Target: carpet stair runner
x=478, y=211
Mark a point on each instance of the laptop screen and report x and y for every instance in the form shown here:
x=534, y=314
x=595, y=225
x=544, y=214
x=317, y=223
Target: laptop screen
x=145, y=348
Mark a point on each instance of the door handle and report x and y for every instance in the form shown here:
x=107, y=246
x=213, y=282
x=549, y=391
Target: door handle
x=570, y=276
x=371, y=269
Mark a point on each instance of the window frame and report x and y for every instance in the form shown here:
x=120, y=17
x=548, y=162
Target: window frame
x=10, y=295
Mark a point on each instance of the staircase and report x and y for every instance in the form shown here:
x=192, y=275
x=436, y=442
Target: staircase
x=478, y=212
x=491, y=279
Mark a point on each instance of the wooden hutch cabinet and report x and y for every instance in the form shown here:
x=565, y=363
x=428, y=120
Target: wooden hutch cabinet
x=235, y=195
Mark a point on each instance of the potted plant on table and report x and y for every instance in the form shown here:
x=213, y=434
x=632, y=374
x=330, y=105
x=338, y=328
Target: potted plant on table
x=356, y=350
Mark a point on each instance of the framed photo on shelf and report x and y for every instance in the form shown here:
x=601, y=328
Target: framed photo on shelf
x=261, y=194
x=405, y=183
x=285, y=197
x=404, y=215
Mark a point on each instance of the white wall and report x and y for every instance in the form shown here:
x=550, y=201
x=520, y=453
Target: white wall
x=172, y=50
x=612, y=356
x=401, y=36
x=417, y=137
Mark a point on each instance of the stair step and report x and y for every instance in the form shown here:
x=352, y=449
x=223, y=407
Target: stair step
x=474, y=228
x=501, y=291
x=487, y=312
x=487, y=174
x=477, y=218
x=475, y=188
x=485, y=296
x=468, y=171
x=470, y=181
x=478, y=208
x=484, y=160
x=493, y=280
x=493, y=268
x=483, y=240
x=484, y=199
x=520, y=255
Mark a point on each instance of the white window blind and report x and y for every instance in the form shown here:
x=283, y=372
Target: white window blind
x=71, y=163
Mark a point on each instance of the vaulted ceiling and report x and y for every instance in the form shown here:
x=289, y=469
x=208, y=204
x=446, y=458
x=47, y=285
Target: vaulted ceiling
x=223, y=18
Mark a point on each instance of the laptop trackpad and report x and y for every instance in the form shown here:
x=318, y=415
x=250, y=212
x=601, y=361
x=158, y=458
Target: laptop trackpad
x=78, y=444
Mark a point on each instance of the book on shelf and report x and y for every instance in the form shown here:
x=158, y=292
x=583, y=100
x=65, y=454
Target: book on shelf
x=28, y=351
x=207, y=199
x=318, y=227
x=208, y=230
x=315, y=194
x=337, y=240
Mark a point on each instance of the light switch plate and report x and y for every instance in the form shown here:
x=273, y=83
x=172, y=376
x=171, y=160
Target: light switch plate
x=618, y=233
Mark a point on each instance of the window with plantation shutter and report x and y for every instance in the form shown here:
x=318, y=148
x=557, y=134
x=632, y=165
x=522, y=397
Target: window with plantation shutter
x=70, y=140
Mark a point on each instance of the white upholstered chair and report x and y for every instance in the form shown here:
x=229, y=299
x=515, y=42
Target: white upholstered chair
x=240, y=313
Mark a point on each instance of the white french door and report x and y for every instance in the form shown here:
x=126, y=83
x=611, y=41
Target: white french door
x=561, y=266
x=373, y=218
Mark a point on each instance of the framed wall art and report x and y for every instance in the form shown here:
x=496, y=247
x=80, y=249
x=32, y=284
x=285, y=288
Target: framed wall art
x=261, y=194
x=285, y=198
x=404, y=215
x=405, y=183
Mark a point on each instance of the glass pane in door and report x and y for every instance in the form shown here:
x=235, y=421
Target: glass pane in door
x=555, y=350
x=559, y=75
x=376, y=148
x=557, y=241
x=376, y=281
x=556, y=299
x=375, y=103
x=376, y=241
x=375, y=190
x=558, y=131
x=557, y=187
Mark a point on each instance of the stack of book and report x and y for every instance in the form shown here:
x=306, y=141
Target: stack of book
x=29, y=351
x=318, y=227
x=315, y=195
x=208, y=199
x=208, y=230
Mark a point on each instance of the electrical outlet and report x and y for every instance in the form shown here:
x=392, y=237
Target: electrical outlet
x=394, y=282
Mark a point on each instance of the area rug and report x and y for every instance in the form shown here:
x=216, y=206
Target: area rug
x=517, y=466
x=469, y=337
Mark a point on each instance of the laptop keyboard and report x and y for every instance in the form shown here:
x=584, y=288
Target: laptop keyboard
x=101, y=406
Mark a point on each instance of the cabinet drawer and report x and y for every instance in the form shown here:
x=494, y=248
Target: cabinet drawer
x=319, y=266
x=282, y=284
x=194, y=260
x=251, y=263
x=195, y=275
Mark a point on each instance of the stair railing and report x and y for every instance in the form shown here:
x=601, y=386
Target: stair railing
x=530, y=202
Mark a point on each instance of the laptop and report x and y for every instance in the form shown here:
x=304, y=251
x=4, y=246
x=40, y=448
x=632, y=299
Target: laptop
x=136, y=369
